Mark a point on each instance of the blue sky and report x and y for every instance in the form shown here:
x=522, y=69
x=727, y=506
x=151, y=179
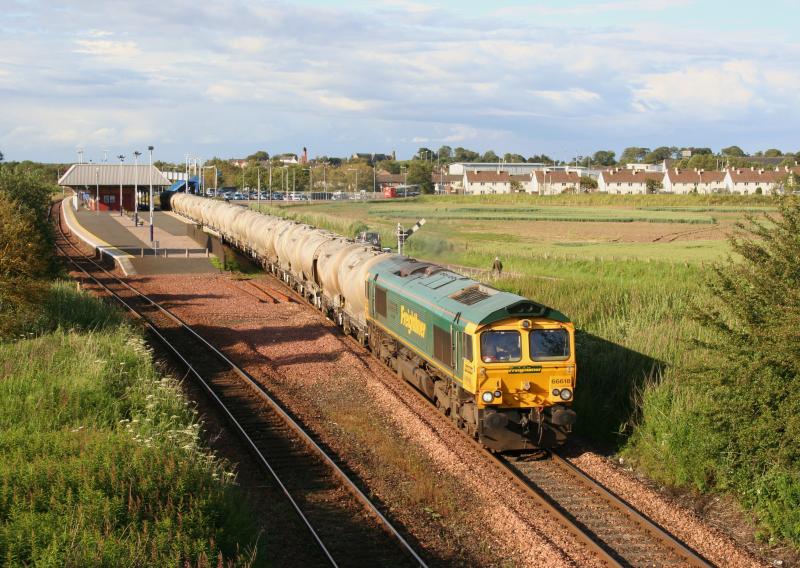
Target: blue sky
x=231, y=77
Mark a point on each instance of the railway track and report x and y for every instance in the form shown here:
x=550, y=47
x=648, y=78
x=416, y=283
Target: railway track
x=341, y=521
x=627, y=535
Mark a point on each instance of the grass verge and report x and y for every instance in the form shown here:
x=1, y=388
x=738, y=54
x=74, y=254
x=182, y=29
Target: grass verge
x=101, y=460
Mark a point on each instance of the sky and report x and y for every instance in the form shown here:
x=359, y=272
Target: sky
x=560, y=77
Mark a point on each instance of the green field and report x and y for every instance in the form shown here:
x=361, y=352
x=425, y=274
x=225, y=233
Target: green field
x=469, y=231
x=630, y=271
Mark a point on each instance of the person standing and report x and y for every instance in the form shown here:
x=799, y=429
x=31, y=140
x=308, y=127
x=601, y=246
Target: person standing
x=497, y=267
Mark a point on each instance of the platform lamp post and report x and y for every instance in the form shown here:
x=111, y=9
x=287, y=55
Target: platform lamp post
x=121, y=159
x=136, y=155
x=150, y=174
x=97, y=191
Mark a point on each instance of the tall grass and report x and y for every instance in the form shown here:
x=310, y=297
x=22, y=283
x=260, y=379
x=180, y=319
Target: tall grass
x=101, y=462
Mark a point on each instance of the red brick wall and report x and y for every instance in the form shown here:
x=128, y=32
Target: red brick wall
x=109, y=198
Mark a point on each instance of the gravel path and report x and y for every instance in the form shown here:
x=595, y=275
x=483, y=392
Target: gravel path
x=684, y=524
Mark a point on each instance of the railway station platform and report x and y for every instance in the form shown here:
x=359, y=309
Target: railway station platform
x=176, y=248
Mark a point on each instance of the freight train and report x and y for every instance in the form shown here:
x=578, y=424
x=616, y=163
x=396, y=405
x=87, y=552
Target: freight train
x=501, y=366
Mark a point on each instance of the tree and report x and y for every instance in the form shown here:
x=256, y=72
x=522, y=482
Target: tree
x=425, y=154
x=588, y=183
x=541, y=159
x=390, y=166
x=445, y=153
x=463, y=155
x=658, y=155
x=773, y=153
x=490, y=156
x=733, y=152
x=604, y=157
x=419, y=174
x=654, y=185
x=702, y=161
x=1, y=156
x=513, y=158
x=633, y=154
x=515, y=186
x=260, y=156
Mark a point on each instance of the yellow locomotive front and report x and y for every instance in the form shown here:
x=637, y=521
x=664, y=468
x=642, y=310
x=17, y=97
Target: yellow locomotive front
x=523, y=379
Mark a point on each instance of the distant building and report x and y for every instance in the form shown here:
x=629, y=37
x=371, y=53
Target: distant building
x=288, y=159
x=372, y=158
x=748, y=181
x=547, y=182
x=384, y=180
x=693, y=181
x=621, y=181
x=488, y=182
x=447, y=183
x=100, y=184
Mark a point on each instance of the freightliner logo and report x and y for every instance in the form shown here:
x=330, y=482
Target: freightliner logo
x=410, y=320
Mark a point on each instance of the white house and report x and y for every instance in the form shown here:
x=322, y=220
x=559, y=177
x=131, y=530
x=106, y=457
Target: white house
x=550, y=182
x=750, y=180
x=693, y=181
x=480, y=183
x=626, y=181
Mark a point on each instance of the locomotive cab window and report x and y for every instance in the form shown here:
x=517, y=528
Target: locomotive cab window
x=549, y=344
x=497, y=346
x=380, y=301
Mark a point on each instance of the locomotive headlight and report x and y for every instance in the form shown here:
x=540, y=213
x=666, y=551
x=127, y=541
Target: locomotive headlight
x=498, y=394
x=566, y=394
x=487, y=397
x=556, y=392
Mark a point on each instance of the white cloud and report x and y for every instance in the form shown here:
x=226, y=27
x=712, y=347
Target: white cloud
x=732, y=89
x=107, y=48
x=568, y=97
x=342, y=103
x=248, y=44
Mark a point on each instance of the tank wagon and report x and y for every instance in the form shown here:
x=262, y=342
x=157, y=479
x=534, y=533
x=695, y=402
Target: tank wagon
x=501, y=366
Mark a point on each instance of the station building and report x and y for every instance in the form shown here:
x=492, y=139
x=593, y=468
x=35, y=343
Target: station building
x=98, y=185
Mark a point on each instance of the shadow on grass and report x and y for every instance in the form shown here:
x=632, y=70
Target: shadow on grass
x=610, y=376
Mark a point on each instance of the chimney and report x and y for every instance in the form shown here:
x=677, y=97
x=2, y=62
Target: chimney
x=305, y=155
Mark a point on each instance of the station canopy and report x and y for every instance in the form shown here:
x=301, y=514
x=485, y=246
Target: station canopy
x=79, y=175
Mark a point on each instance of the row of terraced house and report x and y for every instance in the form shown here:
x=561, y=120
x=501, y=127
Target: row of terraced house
x=626, y=181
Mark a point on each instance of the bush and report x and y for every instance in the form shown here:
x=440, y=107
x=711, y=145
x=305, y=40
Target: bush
x=26, y=256
x=734, y=423
x=756, y=313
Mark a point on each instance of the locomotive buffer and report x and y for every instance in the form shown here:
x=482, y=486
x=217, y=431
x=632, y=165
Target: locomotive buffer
x=403, y=235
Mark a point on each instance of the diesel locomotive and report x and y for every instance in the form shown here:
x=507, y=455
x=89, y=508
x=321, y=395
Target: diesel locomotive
x=501, y=366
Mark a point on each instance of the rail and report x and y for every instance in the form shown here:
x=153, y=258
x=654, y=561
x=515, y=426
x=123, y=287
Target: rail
x=253, y=386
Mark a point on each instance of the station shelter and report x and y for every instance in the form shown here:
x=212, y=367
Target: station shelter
x=98, y=185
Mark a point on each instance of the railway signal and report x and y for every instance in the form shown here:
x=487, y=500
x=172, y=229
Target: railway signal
x=403, y=235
